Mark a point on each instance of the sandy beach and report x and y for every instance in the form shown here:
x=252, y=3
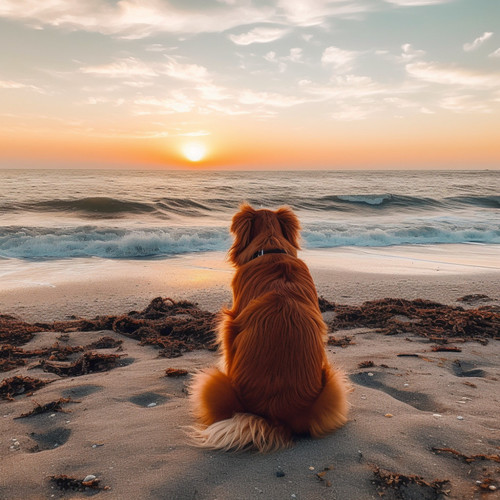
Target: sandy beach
x=423, y=423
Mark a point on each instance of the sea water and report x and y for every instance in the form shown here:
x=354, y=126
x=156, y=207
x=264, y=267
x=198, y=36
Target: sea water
x=66, y=214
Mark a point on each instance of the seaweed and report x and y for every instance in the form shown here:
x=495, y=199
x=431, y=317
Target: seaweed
x=173, y=327
x=342, y=342
x=175, y=372
x=14, y=386
x=53, y=406
x=467, y=458
x=445, y=348
x=402, y=484
x=66, y=483
x=366, y=364
x=437, y=322
x=89, y=362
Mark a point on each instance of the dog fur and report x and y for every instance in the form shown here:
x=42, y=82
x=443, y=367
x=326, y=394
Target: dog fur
x=275, y=380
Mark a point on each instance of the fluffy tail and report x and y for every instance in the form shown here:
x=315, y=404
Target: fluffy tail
x=243, y=431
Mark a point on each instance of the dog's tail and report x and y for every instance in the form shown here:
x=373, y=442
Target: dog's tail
x=244, y=431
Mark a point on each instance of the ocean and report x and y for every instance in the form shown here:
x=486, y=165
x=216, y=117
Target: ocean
x=65, y=214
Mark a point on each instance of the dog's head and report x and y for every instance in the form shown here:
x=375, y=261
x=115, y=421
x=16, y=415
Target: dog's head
x=256, y=230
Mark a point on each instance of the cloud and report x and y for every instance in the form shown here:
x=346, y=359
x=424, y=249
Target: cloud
x=450, y=75
x=464, y=104
x=176, y=103
x=258, y=35
x=134, y=19
x=129, y=67
x=341, y=60
x=249, y=97
x=190, y=72
x=469, y=47
x=9, y=84
x=496, y=53
x=417, y=3
x=409, y=53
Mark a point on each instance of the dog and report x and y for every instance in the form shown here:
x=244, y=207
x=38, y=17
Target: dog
x=275, y=381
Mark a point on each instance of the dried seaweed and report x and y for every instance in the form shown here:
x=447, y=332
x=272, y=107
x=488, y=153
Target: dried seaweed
x=14, y=386
x=65, y=483
x=366, y=364
x=444, y=348
x=429, y=319
x=342, y=342
x=53, y=406
x=175, y=372
x=400, y=483
x=105, y=343
x=14, y=331
x=174, y=327
x=467, y=458
x=89, y=362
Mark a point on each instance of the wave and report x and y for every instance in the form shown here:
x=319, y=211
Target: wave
x=92, y=241
x=166, y=207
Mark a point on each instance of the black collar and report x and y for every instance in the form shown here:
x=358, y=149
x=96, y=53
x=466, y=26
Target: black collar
x=264, y=252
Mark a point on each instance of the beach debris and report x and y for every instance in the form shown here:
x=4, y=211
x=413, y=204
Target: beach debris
x=89, y=362
x=175, y=327
x=470, y=384
x=467, y=458
x=105, y=342
x=460, y=417
x=13, y=386
x=342, y=342
x=366, y=364
x=280, y=473
x=445, y=348
x=14, y=331
x=321, y=475
x=429, y=319
x=65, y=483
x=474, y=297
x=388, y=415
x=176, y=372
x=52, y=406
x=404, y=484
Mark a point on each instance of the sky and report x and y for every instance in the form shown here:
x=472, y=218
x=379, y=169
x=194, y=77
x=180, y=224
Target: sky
x=238, y=84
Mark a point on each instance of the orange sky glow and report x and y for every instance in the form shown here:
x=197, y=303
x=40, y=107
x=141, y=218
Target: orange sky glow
x=261, y=85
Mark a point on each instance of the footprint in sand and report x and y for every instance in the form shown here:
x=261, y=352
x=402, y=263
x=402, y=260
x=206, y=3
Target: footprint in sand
x=416, y=399
x=466, y=369
x=148, y=399
x=50, y=439
x=81, y=391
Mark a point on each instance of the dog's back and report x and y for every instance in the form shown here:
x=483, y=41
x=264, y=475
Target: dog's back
x=276, y=371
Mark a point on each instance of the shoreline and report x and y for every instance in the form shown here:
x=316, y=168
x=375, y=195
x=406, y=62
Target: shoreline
x=87, y=287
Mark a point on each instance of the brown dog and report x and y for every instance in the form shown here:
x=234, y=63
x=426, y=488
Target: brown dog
x=275, y=381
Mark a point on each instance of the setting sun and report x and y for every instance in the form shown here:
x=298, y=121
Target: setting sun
x=194, y=151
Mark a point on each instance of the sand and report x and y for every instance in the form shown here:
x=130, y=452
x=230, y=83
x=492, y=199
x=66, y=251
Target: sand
x=128, y=427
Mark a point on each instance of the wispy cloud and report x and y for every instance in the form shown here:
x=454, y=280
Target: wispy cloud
x=451, y=75
x=464, y=104
x=496, y=53
x=134, y=19
x=417, y=3
x=258, y=35
x=341, y=60
x=469, y=47
x=13, y=85
x=122, y=68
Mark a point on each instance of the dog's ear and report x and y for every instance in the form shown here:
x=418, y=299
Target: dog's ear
x=290, y=225
x=241, y=227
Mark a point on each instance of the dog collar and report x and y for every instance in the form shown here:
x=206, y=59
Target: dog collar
x=262, y=252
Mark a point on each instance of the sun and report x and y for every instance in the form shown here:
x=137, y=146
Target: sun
x=194, y=151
